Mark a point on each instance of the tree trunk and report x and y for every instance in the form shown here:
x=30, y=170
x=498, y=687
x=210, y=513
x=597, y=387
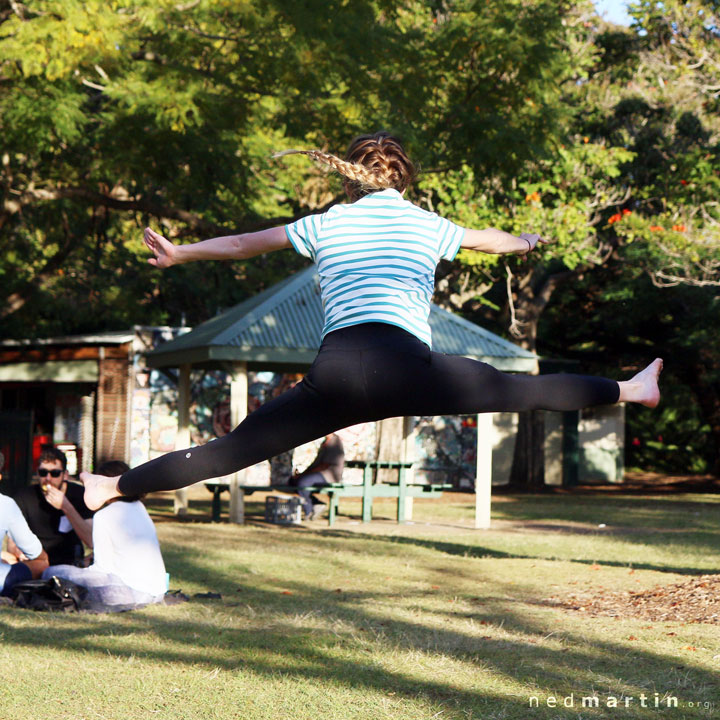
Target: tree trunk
x=528, y=466
x=528, y=302
x=389, y=446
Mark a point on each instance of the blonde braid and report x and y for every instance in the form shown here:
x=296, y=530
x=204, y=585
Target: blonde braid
x=367, y=177
x=374, y=162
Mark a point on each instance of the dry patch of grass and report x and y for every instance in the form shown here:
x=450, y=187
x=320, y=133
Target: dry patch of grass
x=691, y=601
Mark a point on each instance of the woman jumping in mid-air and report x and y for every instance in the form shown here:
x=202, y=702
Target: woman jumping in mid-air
x=376, y=259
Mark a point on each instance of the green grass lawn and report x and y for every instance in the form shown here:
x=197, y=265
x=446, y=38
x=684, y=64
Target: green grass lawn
x=432, y=620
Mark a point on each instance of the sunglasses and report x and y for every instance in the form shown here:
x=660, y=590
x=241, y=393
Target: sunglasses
x=42, y=472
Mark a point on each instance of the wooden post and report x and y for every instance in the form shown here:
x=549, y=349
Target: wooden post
x=182, y=439
x=238, y=412
x=407, y=454
x=87, y=431
x=571, y=448
x=483, y=473
x=367, y=502
x=402, y=497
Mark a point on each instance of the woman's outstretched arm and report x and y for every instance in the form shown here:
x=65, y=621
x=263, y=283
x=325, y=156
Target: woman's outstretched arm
x=498, y=242
x=227, y=247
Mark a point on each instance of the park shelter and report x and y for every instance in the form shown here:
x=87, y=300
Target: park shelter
x=69, y=391
x=280, y=329
x=77, y=392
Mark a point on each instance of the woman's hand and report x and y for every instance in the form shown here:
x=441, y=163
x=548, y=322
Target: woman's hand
x=532, y=240
x=165, y=253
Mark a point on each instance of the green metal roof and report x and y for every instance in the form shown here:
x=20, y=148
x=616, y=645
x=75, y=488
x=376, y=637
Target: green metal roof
x=281, y=328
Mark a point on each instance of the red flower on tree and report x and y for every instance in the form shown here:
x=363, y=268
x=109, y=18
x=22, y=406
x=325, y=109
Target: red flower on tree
x=615, y=218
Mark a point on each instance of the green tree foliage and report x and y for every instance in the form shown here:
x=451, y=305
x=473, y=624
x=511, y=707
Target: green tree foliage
x=634, y=172
x=523, y=115
x=564, y=193
x=658, y=93
x=562, y=198
x=617, y=313
x=115, y=115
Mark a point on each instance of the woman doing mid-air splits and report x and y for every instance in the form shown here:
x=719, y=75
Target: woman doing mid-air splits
x=376, y=259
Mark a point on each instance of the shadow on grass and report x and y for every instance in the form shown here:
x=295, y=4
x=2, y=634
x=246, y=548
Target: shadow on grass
x=275, y=639
x=627, y=511
x=648, y=520
x=478, y=551
x=312, y=656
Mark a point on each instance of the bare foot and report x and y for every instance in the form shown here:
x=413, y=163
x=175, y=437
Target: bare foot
x=99, y=489
x=643, y=387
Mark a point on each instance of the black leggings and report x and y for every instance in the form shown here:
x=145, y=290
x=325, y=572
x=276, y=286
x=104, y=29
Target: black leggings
x=361, y=374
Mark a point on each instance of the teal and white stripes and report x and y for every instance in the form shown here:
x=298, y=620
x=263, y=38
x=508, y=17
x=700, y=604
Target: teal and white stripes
x=376, y=259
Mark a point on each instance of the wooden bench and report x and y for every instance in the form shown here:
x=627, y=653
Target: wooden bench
x=367, y=490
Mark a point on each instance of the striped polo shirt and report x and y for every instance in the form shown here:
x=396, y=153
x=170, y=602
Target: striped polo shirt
x=376, y=259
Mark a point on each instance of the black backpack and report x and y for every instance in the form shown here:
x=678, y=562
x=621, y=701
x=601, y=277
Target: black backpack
x=53, y=594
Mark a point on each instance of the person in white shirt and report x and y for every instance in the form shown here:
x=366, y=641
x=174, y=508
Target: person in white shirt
x=128, y=571
x=32, y=559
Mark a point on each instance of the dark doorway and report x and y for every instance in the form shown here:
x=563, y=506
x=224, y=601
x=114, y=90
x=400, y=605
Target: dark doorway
x=16, y=438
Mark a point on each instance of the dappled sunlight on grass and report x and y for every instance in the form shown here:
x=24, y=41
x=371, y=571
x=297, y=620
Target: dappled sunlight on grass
x=342, y=623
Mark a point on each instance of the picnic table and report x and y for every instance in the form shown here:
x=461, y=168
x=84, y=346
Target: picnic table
x=368, y=490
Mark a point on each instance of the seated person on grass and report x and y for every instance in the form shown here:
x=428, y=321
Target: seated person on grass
x=128, y=571
x=55, y=510
x=29, y=559
x=326, y=468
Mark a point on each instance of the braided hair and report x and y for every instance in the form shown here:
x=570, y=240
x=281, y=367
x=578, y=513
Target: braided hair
x=372, y=162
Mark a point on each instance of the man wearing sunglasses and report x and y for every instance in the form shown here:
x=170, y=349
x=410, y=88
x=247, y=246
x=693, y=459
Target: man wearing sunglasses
x=55, y=510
